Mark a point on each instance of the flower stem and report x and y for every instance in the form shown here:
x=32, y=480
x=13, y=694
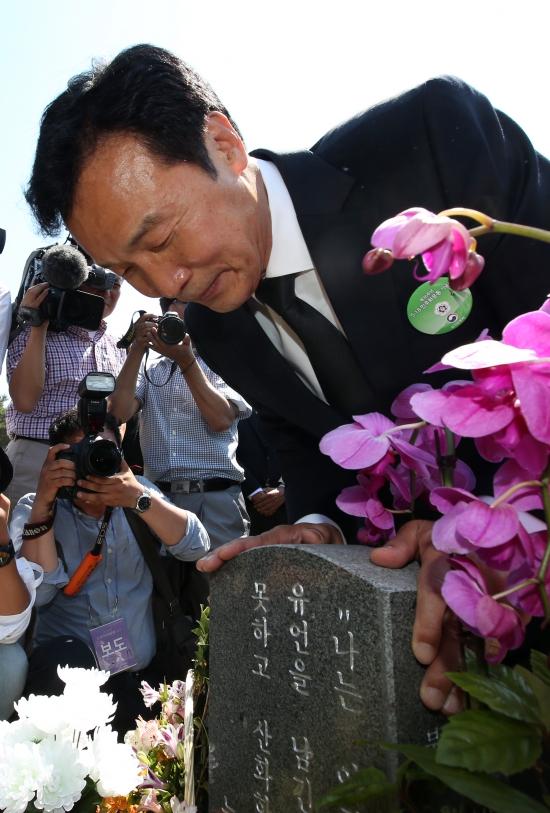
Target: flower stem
x=413, y=474
x=449, y=459
x=482, y=218
x=515, y=588
x=541, y=575
x=512, y=228
x=513, y=489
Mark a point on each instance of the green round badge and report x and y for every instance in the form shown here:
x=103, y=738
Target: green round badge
x=435, y=308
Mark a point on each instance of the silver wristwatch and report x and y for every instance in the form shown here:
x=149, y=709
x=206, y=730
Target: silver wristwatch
x=144, y=502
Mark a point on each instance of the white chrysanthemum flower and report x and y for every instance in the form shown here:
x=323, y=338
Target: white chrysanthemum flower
x=47, y=713
x=116, y=768
x=80, y=680
x=23, y=730
x=21, y=774
x=64, y=778
x=85, y=712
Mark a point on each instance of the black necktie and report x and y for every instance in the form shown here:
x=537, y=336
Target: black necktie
x=339, y=375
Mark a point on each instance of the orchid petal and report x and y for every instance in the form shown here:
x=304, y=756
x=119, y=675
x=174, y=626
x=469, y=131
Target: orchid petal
x=512, y=474
x=487, y=353
x=353, y=500
x=379, y=516
x=414, y=458
x=462, y=595
x=420, y=234
x=430, y=406
x=384, y=235
x=401, y=407
x=488, y=527
x=353, y=447
x=530, y=331
x=445, y=536
x=437, y=260
x=444, y=498
x=471, y=414
x=374, y=422
x=534, y=397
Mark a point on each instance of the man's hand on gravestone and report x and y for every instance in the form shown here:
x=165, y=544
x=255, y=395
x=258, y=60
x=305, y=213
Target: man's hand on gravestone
x=307, y=533
x=434, y=633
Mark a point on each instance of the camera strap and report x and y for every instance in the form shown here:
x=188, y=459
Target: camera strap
x=130, y=335
x=92, y=558
x=173, y=369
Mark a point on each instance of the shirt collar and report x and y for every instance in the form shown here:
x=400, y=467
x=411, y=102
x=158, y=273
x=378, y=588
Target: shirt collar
x=80, y=331
x=289, y=253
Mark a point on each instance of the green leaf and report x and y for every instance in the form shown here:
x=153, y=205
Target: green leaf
x=479, y=787
x=370, y=783
x=542, y=691
x=539, y=665
x=506, y=692
x=488, y=741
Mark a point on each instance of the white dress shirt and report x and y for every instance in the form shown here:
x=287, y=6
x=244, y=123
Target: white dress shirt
x=290, y=255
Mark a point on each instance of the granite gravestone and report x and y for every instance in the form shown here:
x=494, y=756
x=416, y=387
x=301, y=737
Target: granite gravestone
x=310, y=651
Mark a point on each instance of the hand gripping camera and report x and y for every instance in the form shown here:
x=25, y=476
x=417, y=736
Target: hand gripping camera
x=92, y=455
x=170, y=329
x=65, y=269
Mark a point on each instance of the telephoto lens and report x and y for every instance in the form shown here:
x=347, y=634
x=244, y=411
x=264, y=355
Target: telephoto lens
x=171, y=329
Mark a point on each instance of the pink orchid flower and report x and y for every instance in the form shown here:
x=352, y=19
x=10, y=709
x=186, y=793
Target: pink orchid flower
x=444, y=243
x=149, y=802
x=362, y=501
x=465, y=592
x=523, y=358
x=368, y=441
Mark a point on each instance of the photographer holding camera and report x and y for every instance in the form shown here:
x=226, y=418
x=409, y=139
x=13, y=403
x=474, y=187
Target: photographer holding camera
x=97, y=589
x=46, y=360
x=188, y=424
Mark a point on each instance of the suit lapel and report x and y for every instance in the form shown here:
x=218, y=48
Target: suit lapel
x=337, y=241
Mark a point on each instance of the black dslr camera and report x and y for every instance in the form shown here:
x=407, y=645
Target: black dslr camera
x=92, y=455
x=170, y=328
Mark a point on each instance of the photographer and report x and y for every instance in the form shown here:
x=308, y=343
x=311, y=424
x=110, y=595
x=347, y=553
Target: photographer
x=119, y=590
x=43, y=370
x=188, y=427
x=18, y=582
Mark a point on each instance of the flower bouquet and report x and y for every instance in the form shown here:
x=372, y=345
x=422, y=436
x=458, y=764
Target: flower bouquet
x=497, y=549
x=174, y=780
x=49, y=761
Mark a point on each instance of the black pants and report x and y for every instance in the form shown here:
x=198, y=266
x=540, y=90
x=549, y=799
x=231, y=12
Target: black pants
x=71, y=651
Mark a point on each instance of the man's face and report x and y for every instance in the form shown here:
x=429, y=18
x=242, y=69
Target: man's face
x=110, y=295
x=174, y=230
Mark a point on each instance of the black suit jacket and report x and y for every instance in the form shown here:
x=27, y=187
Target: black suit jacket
x=439, y=145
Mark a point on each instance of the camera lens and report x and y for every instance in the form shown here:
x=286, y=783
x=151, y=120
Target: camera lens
x=103, y=458
x=171, y=329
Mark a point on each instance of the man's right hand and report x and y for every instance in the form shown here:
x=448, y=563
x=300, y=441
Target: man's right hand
x=34, y=298
x=143, y=327
x=306, y=533
x=54, y=475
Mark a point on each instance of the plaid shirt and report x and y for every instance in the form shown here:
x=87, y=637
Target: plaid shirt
x=176, y=441
x=70, y=355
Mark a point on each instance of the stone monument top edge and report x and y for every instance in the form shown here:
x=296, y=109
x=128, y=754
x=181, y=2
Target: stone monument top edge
x=352, y=558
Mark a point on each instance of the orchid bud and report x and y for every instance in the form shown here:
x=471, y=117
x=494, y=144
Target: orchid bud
x=377, y=260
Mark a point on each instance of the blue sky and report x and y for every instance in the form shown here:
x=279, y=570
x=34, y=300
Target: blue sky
x=288, y=70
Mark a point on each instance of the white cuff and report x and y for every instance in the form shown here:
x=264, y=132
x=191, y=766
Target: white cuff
x=258, y=491
x=318, y=518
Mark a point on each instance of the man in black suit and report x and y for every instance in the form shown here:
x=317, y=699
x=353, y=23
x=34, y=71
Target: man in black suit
x=262, y=486
x=144, y=165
